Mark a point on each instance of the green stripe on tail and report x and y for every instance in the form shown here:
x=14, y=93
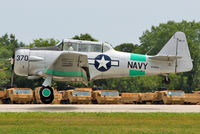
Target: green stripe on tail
x=138, y=57
x=136, y=73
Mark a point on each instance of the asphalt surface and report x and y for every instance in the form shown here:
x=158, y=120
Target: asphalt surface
x=100, y=108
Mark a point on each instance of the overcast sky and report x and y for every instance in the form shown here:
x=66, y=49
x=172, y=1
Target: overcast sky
x=114, y=21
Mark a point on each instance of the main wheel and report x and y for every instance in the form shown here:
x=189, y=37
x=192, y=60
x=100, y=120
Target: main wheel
x=46, y=95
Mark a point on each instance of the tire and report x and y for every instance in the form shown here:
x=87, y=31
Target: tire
x=46, y=95
x=6, y=101
x=67, y=102
x=94, y=102
x=62, y=102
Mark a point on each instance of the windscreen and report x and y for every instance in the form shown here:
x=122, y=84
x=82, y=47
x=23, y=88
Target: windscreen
x=110, y=94
x=70, y=46
x=60, y=45
x=175, y=93
x=83, y=47
x=22, y=91
x=105, y=48
x=84, y=93
x=95, y=48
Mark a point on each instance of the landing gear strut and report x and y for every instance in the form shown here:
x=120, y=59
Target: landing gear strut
x=166, y=80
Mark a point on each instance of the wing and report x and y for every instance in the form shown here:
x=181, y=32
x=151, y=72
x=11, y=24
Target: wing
x=70, y=66
x=164, y=58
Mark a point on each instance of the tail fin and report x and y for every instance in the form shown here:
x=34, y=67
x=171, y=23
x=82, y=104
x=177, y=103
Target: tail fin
x=177, y=46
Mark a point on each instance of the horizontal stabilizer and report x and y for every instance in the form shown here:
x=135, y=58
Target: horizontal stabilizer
x=164, y=58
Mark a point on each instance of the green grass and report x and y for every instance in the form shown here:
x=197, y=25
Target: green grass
x=100, y=123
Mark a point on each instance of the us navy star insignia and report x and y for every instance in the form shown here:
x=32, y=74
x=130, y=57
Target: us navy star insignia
x=103, y=62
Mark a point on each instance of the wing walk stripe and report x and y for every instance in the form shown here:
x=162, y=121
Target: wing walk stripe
x=65, y=73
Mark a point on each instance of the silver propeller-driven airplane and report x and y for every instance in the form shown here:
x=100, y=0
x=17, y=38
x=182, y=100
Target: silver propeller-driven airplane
x=82, y=61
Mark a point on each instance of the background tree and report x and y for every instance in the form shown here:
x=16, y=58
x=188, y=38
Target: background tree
x=158, y=36
x=43, y=42
x=7, y=45
x=85, y=36
x=128, y=47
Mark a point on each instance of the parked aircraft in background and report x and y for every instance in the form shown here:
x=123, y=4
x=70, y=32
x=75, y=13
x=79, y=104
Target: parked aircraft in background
x=83, y=61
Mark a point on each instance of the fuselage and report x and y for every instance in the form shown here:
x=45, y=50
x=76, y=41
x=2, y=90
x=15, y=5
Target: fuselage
x=81, y=61
x=102, y=64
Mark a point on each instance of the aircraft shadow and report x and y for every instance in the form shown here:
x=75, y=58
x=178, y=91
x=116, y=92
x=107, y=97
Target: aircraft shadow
x=53, y=109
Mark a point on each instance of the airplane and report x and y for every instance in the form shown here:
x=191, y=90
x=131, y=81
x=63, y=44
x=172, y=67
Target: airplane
x=83, y=61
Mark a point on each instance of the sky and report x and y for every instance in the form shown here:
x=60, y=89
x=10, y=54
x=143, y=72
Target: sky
x=113, y=21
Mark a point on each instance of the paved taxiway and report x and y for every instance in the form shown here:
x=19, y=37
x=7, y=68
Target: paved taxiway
x=100, y=108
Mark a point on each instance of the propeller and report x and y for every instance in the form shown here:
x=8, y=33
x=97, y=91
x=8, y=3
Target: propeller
x=12, y=61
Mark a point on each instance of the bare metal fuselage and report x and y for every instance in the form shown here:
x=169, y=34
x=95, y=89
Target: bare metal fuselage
x=96, y=60
x=121, y=64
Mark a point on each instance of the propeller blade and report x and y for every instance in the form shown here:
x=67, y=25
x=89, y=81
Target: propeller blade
x=12, y=76
x=12, y=61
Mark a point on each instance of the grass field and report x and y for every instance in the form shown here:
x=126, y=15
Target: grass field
x=100, y=123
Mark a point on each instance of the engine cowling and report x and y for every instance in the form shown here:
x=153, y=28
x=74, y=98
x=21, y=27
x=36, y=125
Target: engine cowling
x=21, y=63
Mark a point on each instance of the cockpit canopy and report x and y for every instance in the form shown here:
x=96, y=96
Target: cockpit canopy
x=83, y=46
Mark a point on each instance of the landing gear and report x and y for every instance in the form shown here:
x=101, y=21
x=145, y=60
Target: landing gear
x=166, y=80
x=46, y=95
x=46, y=92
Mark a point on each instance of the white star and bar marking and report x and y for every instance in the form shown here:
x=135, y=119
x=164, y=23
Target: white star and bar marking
x=103, y=62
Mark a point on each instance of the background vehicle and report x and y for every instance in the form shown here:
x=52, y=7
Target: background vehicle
x=78, y=95
x=18, y=95
x=147, y=98
x=169, y=97
x=106, y=97
x=36, y=95
x=2, y=94
x=57, y=97
x=192, y=98
x=64, y=99
x=130, y=98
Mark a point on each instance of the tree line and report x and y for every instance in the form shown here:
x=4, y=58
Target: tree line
x=152, y=41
